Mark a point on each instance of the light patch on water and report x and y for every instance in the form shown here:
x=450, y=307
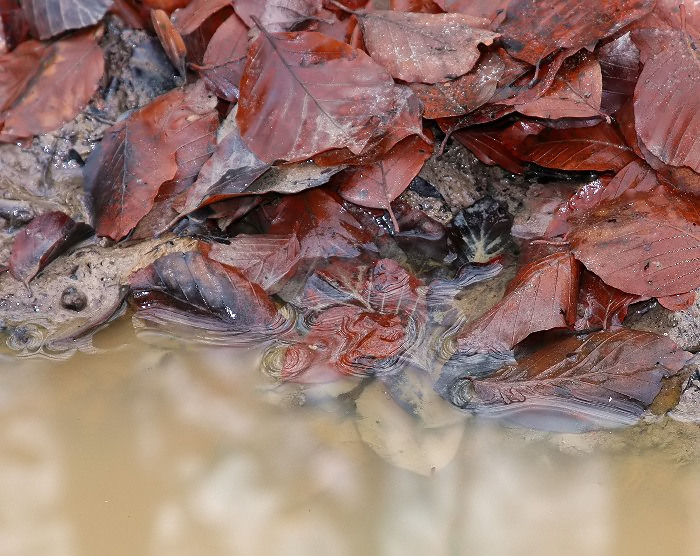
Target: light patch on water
x=172, y=451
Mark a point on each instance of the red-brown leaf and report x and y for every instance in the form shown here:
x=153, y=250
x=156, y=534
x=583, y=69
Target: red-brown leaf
x=541, y=297
x=646, y=243
x=667, y=97
x=619, y=63
x=427, y=48
x=324, y=228
x=534, y=29
x=186, y=20
x=63, y=83
x=600, y=305
x=636, y=175
x=578, y=148
x=278, y=15
x=575, y=92
x=222, y=65
x=16, y=68
x=464, y=94
x=491, y=10
x=188, y=285
x=418, y=6
x=292, y=105
x=377, y=185
x=607, y=379
x=139, y=154
x=52, y=17
x=170, y=39
x=41, y=241
x=264, y=259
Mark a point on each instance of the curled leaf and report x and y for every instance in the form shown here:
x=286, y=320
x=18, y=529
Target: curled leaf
x=41, y=241
x=52, y=17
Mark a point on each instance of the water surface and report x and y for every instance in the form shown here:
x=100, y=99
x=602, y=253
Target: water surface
x=155, y=450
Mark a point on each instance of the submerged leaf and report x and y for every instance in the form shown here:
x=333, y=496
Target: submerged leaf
x=541, y=297
x=600, y=305
x=41, y=241
x=292, y=105
x=606, y=380
x=188, y=283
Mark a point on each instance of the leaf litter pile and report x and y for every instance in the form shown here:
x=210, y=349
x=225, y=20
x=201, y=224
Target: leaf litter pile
x=259, y=201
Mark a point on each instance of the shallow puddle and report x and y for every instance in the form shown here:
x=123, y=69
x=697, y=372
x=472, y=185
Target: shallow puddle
x=155, y=450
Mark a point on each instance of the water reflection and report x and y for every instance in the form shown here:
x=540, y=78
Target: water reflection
x=146, y=450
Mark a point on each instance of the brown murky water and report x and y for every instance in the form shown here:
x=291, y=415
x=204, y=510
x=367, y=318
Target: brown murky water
x=145, y=450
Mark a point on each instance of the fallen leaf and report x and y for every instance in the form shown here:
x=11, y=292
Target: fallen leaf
x=224, y=59
x=41, y=241
x=575, y=92
x=292, y=106
x=418, y=6
x=170, y=39
x=645, y=243
x=599, y=147
x=533, y=29
x=324, y=228
x=464, y=94
x=67, y=76
x=48, y=18
x=183, y=284
x=187, y=19
x=137, y=155
x=427, y=48
x=377, y=185
x=678, y=302
x=619, y=63
x=607, y=379
x=491, y=10
x=16, y=69
x=489, y=148
x=278, y=15
x=264, y=259
x=541, y=297
x=600, y=305
x=667, y=97
x=636, y=175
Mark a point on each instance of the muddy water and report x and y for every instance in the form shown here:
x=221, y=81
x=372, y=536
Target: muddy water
x=153, y=450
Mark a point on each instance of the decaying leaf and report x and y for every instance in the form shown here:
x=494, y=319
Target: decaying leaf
x=186, y=20
x=191, y=288
x=600, y=305
x=427, y=48
x=139, y=154
x=578, y=148
x=667, y=97
x=533, y=29
x=464, y=94
x=541, y=297
x=170, y=39
x=52, y=17
x=605, y=380
x=292, y=105
x=278, y=15
x=575, y=91
x=60, y=86
x=377, y=185
x=224, y=58
x=16, y=68
x=264, y=259
x=619, y=63
x=321, y=224
x=645, y=243
x=41, y=241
